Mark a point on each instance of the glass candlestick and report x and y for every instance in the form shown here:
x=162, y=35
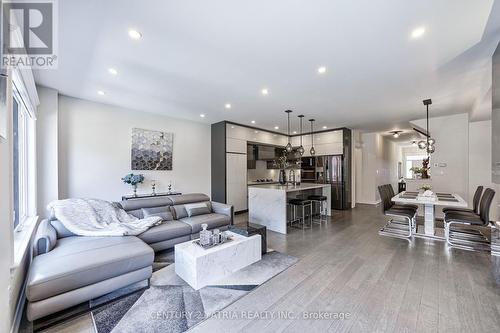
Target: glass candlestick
x=153, y=186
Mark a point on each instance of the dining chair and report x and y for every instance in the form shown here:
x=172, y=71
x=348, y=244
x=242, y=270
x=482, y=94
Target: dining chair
x=402, y=223
x=460, y=237
x=475, y=204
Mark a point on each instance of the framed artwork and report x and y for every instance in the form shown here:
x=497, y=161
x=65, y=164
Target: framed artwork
x=151, y=150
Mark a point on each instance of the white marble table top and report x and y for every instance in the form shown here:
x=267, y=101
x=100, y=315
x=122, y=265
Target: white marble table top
x=431, y=201
x=292, y=188
x=202, y=267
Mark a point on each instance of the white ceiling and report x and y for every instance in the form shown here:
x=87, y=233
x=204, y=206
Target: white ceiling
x=195, y=56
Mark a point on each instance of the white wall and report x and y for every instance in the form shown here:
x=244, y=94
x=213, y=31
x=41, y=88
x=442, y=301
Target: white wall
x=94, y=151
x=47, y=149
x=376, y=164
x=480, y=161
x=452, y=147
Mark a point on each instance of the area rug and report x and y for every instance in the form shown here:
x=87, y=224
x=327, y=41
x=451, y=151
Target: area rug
x=171, y=305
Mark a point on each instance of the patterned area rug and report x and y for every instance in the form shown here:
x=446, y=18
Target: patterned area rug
x=171, y=305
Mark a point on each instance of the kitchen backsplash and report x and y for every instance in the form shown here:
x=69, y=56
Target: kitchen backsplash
x=261, y=172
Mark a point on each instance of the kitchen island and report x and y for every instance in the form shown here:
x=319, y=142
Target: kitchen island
x=267, y=204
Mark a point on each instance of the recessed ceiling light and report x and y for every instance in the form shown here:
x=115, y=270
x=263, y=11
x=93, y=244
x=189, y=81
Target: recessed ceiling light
x=324, y=127
x=232, y=126
x=202, y=115
x=100, y=92
x=418, y=32
x=253, y=121
x=134, y=34
x=395, y=134
x=265, y=91
x=112, y=71
x=294, y=132
x=227, y=106
x=256, y=132
x=276, y=127
x=322, y=70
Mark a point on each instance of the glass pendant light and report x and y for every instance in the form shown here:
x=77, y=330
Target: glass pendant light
x=428, y=143
x=422, y=144
x=288, y=147
x=312, y=151
x=301, y=149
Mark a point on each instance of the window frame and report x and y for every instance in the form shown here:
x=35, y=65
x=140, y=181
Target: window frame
x=26, y=155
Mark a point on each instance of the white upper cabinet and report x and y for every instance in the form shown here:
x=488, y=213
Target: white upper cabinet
x=326, y=143
x=253, y=135
x=236, y=146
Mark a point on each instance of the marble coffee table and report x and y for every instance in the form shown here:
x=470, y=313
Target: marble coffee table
x=201, y=267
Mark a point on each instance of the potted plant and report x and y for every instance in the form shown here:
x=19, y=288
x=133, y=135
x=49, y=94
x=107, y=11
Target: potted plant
x=133, y=180
x=417, y=171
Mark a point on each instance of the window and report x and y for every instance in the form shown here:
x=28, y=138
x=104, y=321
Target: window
x=413, y=161
x=23, y=153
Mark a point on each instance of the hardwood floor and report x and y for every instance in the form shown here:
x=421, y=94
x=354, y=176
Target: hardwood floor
x=380, y=284
x=384, y=284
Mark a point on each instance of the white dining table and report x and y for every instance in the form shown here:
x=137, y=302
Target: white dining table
x=429, y=204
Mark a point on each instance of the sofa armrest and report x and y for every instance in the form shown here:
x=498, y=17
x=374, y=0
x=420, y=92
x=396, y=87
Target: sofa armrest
x=223, y=209
x=45, y=238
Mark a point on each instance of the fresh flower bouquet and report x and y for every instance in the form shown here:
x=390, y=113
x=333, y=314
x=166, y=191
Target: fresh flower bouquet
x=133, y=180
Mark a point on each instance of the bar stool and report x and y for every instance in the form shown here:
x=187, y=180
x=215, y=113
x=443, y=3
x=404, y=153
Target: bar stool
x=321, y=201
x=303, y=204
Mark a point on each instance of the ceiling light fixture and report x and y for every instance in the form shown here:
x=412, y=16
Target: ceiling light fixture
x=100, y=92
x=301, y=149
x=414, y=143
x=294, y=132
x=395, y=134
x=417, y=32
x=288, y=146
x=112, y=71
x=202, y=115
x=324, y=127
x=428, y=143
x=322, y=70
x=134, y=34
x=312, y=151
x=227, y=106
x=265, y=91
x=253, y=121
x=276, y=128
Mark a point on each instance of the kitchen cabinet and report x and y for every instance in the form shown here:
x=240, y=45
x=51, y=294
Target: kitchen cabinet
x=236, y=181
x=236, y=146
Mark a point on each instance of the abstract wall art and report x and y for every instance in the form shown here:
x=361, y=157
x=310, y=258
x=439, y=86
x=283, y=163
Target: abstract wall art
x=151, y=150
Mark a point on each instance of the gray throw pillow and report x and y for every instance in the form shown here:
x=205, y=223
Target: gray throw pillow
x=163, y=212
x=199, y=208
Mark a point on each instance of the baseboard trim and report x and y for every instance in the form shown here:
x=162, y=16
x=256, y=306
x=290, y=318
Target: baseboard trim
x=369, y=202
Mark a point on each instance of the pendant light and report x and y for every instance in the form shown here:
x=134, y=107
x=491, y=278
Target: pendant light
x=288, y=147
x=427, y=144
x=312, y=151
x=301, y=149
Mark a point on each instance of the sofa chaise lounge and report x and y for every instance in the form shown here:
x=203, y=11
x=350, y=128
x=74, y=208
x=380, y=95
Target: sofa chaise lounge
x=68, y=269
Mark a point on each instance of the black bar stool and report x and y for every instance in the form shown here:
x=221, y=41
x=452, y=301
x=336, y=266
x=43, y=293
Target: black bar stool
x=320, y=200
x=302, y=204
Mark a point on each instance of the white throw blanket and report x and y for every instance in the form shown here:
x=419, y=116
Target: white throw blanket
x=93, y=217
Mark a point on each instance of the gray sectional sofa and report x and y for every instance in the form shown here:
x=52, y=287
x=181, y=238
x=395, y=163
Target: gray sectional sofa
x=67, y=269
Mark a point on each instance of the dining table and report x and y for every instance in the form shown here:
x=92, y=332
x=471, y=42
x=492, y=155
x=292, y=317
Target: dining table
x=429, y=203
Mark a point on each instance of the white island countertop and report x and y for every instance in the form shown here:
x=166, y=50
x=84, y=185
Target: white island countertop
x=268, y=204
x=291, y=188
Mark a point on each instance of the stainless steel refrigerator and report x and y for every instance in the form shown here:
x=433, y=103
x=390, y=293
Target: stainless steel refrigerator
x=331, y=171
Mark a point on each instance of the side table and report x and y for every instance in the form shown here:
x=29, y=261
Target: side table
x=248, y=229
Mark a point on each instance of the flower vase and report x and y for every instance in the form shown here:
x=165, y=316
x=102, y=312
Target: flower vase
x=135, y=190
